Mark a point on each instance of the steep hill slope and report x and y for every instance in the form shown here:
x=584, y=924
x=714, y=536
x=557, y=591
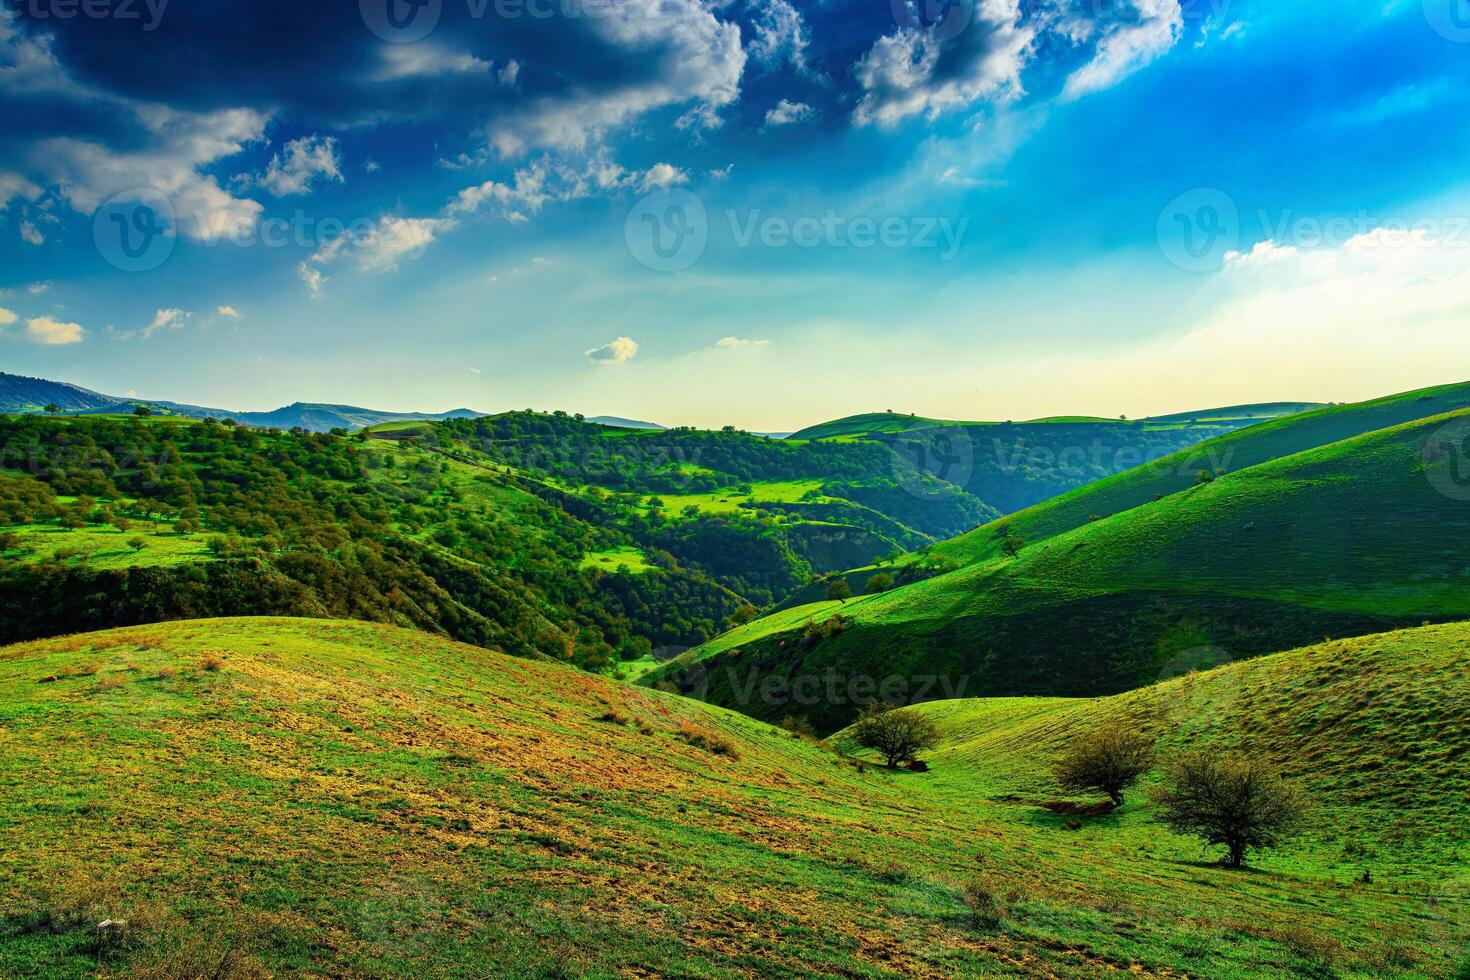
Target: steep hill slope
x=1014, y=465
x=343, y=799
x=1350, y=538
x=1258, y=444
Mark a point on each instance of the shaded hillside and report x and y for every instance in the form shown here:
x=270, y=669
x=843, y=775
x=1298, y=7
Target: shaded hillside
x=1014, y=465
x=1347, y=539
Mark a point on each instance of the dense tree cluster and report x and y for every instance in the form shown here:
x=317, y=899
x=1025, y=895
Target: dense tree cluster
x=324, y=524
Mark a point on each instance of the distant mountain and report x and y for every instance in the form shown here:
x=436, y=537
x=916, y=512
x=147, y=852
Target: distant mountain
x=620, y=423
x=22, y=395
x=883, y=425
x=28, y=396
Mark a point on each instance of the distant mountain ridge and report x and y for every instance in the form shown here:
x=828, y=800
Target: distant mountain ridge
x=615, y=422
x=27, y=396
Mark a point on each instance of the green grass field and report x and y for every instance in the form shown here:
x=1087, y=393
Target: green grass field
x=630, y=560
x=316, y=799
x=730, y=502
x=1344, y=539
x=107, y=547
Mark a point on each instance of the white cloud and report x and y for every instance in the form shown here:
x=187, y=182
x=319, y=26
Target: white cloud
x=729, y=343
x=662, y=175
x=31, y=233
x=228, y=311
x=509, y=72
x=619, y=351
x=687, y=56
x=38, y=288
x=313, y=278
x=424, y=60
x=532, y=187
x=303, y=161
x=722, y=172
x=382, y=246
x=7, y=317
x=13, y=187
x=1127, y=43
x=45, y=330
x=175, y=147
x=475, y=371
x=903, y=74
x=779, y=35
x=171, y=319
x=372, y=166
x=787, y=112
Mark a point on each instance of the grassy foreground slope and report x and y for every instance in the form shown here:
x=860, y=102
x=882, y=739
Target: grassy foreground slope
x=312, y=798
x=1375, y=728
x=1351, y=538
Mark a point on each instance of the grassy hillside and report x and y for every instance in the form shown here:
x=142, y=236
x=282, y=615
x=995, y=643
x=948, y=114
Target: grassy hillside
x=344, y=799
x=1373, y=728
x=1258, y=444
x=1015, y=465
x=1346, y=539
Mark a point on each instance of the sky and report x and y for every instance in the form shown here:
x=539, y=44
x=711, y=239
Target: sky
x=750, y=212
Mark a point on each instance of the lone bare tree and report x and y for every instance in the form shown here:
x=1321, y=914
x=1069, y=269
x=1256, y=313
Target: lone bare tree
x=897, y=734
x=1108, y=759
x=1234, y=801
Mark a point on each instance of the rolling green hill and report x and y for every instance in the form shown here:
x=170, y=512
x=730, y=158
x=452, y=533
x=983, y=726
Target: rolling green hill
x=1015, y=465
x=352, y=800
x=1258, y=444
x=1345, y=539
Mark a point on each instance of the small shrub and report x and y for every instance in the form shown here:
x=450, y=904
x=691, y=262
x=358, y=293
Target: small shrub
x=1108, y=759
x=1233, y=801
x=709, y=741
x=211, y=661
x=799, y=726
x=612, y=717
x=985, y=897
x=898, y=734
x=110, y=683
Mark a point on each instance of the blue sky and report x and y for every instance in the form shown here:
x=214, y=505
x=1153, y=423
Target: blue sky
x=997, y=209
